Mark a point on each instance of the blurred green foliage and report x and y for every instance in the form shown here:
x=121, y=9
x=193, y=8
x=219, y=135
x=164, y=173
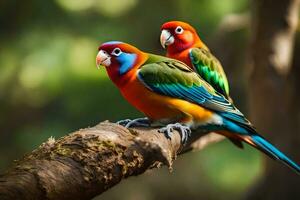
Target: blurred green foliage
x=49, y=86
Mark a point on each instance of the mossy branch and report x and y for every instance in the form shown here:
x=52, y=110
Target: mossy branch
x=88, y=162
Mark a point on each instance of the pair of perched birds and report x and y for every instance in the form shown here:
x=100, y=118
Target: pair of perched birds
x=186, y=90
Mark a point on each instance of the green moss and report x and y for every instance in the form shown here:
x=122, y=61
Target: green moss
x=133, y=132
x=108, y=144
x=63, y=151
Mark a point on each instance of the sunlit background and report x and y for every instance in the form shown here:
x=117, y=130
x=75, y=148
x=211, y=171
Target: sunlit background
x=49, y=84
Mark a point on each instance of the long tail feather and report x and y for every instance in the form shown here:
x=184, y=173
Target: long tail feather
x=262, y=144
x=249, y=135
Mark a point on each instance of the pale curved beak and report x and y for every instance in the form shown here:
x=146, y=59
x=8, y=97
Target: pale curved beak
x=166, y=38
x=102, y=58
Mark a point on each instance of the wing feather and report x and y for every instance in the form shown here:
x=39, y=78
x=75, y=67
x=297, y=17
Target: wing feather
x=173, y=78
x=210, y=69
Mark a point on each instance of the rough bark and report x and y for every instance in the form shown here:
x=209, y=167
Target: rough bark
x=88, y=162
x=273, y=91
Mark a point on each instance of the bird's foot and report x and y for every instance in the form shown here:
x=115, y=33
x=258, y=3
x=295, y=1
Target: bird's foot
x=185, y=131
x=139, y=122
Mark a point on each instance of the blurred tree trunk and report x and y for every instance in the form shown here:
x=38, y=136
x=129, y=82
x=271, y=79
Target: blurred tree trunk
x=274, y=99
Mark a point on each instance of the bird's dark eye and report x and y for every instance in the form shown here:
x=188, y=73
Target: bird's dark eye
x=179, y=30
x=116, y=52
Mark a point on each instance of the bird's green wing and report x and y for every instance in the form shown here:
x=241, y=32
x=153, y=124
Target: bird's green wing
x=210, y=69
x=175, y=79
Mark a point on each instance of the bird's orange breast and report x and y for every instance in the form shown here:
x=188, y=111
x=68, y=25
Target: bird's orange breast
x=183, y=56
x=158, y=107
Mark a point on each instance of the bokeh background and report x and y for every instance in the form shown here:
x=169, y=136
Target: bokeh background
x=49, y=84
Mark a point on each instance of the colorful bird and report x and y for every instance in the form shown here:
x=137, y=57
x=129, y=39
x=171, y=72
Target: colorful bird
x=170, y=94
x=184, y=44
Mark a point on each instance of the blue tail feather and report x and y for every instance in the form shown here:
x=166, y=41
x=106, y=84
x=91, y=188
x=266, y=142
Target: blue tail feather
x=273, y=152
x=260, y=143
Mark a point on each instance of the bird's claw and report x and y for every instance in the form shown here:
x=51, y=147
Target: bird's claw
x=123, y=122
x=185, y=131
x=139, y=122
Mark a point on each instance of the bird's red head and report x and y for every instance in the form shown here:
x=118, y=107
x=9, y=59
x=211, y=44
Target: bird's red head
x=120, y=60
x=178, y=36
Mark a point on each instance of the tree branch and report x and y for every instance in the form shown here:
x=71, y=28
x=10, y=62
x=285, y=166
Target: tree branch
x=88, y=162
